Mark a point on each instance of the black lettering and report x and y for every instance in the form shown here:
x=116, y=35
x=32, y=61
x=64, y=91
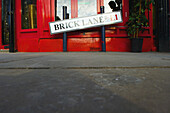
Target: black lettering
x=69, y=24
x=96, y=20
x=56, y=27
x=90, y=22
x=76, y=24
x=101, y=19
x=83, y=22
x=66, y=25
x=62, y=26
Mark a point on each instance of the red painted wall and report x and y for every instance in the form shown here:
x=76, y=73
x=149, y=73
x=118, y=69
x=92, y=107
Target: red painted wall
x=169, y=25
x=40, y=40
x=0, y=24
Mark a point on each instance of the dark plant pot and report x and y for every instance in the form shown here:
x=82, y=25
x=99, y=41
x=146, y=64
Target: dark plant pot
x=136, y=44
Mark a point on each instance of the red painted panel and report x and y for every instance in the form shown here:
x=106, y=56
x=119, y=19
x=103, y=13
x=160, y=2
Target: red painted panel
x=97, y=44
x=169, y=25
x=28, y=45
x=99, y=3
x=75, y=8
x=125, y=11
x=147, y=45
x=91, y=44
x=51, y=45
x=17, y=22
x=47, y=13
x=84, y=44
x=72, y=9
x=29, y=35
x=18, y=15
x=118, y=44
x=52, y=10
x=0, y=24
x=79, y=44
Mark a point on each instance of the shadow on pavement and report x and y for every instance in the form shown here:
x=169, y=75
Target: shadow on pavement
x=57, y=91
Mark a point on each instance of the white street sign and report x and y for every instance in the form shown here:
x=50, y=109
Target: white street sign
x=85, y=22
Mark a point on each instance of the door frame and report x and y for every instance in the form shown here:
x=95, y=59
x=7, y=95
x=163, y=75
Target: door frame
x=11, y=12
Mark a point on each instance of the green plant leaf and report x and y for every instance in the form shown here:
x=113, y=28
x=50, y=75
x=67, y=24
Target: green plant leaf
x=138, y=20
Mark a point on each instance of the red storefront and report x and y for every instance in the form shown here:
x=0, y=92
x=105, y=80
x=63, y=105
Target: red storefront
x=32, y=33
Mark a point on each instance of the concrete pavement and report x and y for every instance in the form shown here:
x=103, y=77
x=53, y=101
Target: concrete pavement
x=84, y=59
x=84, y=82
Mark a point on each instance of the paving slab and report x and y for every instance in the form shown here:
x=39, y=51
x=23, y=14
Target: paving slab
x=84, y=82
x=85, y=59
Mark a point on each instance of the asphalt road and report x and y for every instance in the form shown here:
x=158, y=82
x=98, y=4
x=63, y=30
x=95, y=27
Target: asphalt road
x=84, y=82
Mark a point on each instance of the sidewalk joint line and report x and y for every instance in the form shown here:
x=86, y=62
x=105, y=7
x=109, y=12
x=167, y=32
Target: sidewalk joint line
x=140, y=67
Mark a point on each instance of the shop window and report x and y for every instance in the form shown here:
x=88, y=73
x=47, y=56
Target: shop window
x=112, y=5
x=87, y=8
x=59, y=8
x=29, y=14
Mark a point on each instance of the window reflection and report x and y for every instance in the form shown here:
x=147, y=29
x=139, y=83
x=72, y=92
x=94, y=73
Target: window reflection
x=59, y=9
x=29, y=14
x=112, y=5
x=87, y=7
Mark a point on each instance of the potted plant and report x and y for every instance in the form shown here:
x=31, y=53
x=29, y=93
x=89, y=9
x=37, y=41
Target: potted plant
x=137, y=22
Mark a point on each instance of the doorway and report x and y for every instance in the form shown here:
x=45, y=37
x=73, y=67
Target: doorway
x=7, y=21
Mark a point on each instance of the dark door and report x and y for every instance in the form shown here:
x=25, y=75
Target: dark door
x=5, y=23
x=163, y=25
x=169, y=22
x=8, y=24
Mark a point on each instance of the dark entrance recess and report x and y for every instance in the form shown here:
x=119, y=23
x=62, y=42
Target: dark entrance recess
x=8, y=24
x=5, y=23
x=163, y=25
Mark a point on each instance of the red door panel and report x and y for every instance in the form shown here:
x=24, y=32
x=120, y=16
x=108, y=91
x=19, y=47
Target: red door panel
x=0, y=24
x=27, y=37
x=169, y=24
